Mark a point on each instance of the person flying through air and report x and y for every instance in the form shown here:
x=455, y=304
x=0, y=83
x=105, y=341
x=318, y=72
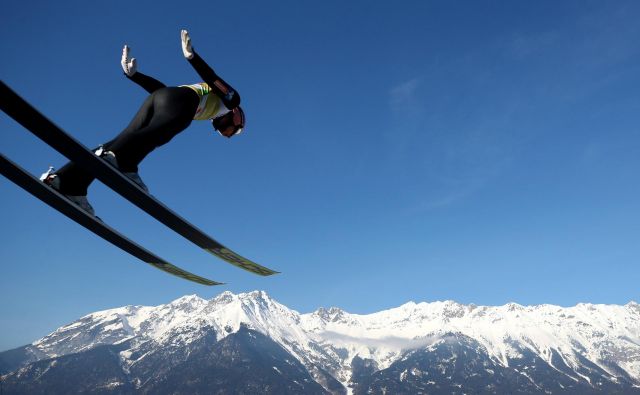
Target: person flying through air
x=165, y=113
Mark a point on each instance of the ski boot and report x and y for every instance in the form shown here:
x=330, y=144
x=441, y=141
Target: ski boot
x=51, y=179
x=110, y=157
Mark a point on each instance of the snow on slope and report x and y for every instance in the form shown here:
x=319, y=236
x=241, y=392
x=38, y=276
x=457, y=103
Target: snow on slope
x=600, y=333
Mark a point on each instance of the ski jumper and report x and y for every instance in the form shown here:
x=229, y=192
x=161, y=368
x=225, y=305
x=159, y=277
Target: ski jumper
x=163, y=115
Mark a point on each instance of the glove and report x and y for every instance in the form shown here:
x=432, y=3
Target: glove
x=129, y=66
x=187, y=50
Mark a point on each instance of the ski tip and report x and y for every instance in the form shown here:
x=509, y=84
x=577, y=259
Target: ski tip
x=239, y=261
x=202, y=280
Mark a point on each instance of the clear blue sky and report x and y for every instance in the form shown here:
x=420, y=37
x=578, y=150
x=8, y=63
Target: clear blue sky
x=483, y=152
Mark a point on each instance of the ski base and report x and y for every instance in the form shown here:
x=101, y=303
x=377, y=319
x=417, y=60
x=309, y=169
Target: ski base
x=56, y=200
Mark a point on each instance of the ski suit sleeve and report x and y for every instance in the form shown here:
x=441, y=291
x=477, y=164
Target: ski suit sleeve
x=149, y=84
x=224, y=91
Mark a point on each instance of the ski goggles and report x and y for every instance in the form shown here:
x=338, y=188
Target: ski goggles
x=238, y=120
x=233, y=119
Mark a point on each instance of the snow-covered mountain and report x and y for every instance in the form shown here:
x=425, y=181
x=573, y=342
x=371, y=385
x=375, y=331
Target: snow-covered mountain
x=429, y=347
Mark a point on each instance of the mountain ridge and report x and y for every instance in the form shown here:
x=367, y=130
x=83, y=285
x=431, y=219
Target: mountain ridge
x=585, y=344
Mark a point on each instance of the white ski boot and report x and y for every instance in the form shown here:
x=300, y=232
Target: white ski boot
x=51, y=178
x=110, y=157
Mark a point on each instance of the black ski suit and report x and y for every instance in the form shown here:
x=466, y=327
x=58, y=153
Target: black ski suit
x=165, y=113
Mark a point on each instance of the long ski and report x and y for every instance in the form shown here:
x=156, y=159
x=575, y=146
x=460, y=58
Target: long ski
x=25, y=114
x=54, y=199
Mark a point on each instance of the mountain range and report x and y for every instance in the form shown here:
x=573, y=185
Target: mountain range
x=250, y=344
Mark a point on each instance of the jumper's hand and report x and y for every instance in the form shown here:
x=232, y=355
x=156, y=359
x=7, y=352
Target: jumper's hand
x=129, y=65
x=187, y=50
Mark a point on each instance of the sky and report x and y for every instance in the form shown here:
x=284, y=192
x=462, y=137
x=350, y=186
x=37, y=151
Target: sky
x=477, y=151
